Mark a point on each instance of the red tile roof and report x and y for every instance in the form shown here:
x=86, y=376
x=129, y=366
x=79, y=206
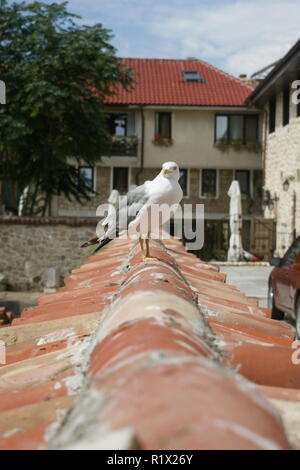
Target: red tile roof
x=145, y=355
x=161, y=82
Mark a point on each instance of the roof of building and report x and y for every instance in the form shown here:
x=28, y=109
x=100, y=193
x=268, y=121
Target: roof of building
x=284, y=71
x=162, y=82
x=144, y=355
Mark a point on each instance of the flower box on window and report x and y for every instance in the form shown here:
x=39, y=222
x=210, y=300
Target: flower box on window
x=162, y=140
x=124, y=145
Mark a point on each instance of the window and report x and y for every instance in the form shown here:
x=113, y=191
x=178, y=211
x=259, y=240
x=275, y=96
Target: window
x=10, y=196
x=183, y=181
x=286, y=106
x=236, y=128
x=163, y=125
x=191, y=76
x=86, y=175
x=222, y=128
x=117, y=124
x=272, y=114
x=120, y=179
x=230, y=128
x=208, y=183
x=243, y=177
x=251, y=128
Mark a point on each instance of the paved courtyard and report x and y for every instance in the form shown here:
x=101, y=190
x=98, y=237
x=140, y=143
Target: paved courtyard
x=252, y=280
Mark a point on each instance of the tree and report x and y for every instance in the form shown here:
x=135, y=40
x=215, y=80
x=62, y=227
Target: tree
x=57, y=74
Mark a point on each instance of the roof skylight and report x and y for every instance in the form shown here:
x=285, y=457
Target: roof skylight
x=192, y=76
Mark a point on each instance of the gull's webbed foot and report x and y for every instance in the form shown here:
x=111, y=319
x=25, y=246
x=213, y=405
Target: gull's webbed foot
x=149, y=258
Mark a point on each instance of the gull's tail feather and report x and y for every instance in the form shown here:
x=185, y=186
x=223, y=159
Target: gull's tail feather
x=106, y=238
x=92, y=241
x=102, y=243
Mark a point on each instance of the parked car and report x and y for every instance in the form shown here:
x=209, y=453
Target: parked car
x=284, y=285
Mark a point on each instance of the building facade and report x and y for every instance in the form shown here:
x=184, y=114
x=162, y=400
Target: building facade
x=277, y=96
x=192, y=113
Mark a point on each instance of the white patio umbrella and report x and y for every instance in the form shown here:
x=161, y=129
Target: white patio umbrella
x=235, y=222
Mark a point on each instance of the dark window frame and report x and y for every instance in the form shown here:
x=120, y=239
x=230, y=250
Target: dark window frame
x=247, y=116
x=111, y=115
x=186, y=192
x=93, y=174
x=202, y=195
x=249, y=173
x=113, y=179
x=272, y=114
x=229, y=131
x=158, y=124
x=286, y=102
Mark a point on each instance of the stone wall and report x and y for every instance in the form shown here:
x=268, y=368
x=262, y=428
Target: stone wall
x=30, y=246
x=282, y=160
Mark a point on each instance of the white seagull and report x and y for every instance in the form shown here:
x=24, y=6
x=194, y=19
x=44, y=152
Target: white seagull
x=134, y=216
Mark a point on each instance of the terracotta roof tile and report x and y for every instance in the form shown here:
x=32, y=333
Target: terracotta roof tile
x=161, y=81
x=153, y=346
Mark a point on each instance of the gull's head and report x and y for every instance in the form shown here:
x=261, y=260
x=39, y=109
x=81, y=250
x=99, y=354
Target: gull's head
x=170, y=170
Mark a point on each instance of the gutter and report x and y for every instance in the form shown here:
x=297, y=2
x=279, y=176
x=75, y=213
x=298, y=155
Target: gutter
x=264, y=148
x=142, y=147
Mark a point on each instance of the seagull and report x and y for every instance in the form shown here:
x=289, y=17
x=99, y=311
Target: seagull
x=136, y=214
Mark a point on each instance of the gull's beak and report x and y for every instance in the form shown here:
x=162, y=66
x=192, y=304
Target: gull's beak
x=166, y=172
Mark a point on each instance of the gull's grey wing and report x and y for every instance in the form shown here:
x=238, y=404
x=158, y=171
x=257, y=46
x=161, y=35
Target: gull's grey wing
x=126, y=211
x=136, y=199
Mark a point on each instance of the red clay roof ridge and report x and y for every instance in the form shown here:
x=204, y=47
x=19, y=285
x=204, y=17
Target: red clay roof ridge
x=144, y=342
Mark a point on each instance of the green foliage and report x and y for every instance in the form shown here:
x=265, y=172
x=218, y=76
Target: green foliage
x=238, y=144
x=57, y=74
x=214, y=254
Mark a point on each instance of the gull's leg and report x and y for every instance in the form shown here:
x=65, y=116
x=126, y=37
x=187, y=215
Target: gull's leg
x=141, y=240
x=148, y=257
x=147, y=247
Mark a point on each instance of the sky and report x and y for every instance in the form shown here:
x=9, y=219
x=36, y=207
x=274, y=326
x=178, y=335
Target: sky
x=237, y=36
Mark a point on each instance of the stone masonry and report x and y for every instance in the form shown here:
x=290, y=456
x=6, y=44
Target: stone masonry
x=282, y=161
x=29, y=247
